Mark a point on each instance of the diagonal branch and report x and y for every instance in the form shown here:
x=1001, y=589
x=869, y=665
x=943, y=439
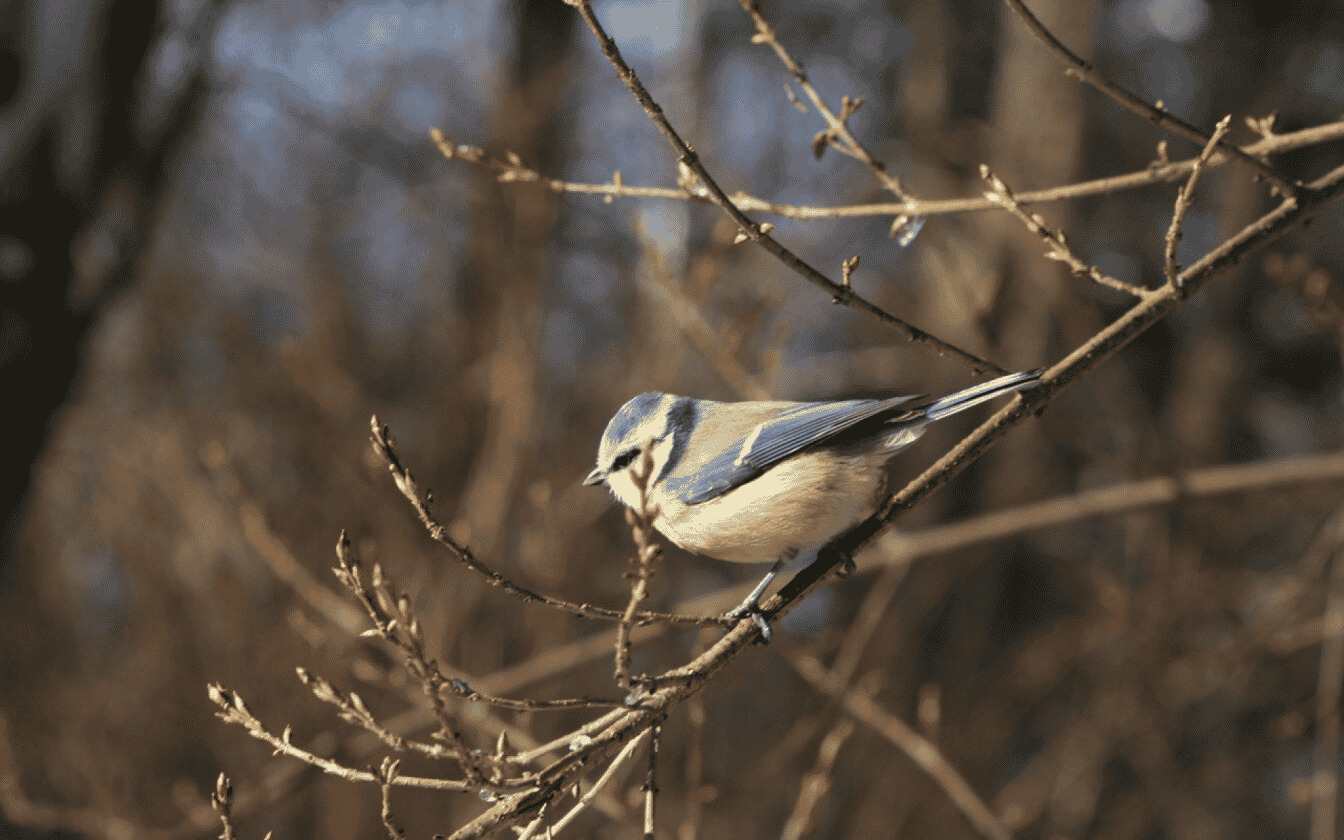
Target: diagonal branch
x=1184, y=199
x=1156, y=114
x=838, y=127
x=840, y=294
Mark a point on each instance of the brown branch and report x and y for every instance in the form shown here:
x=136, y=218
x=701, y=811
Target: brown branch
x=232, y=709
x=646, y=555
x=1120, y=498
x=1156, y=304
x=385, y=446
x=1161, y=172
x=688, y=159
x=837, y=127
x=1056, y=244
x=1155, y=114
x=1185, y=197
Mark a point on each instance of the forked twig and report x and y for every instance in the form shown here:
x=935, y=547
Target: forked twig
x=647, y=552
x=1155, y=114
x=384, y=445
x=1185, y=198
x=752, y=230
x=837, y=126
x=1056, y=244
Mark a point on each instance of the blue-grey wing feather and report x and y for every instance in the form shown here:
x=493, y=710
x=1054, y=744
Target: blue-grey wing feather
x=793, y=429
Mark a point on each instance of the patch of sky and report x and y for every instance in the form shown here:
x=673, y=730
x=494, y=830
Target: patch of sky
x=1135, y=23
x=751, y=102
x=1326, y=76
x=1200, y=231
x=585, y=279
x=343, y=61
x=1166, y=73
x=400, y=277
x=650, y=30
x=667, y=226
x=564, y=340
x=1118, y=265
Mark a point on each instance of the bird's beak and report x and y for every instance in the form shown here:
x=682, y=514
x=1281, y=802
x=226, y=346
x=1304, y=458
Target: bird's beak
x=595, y=477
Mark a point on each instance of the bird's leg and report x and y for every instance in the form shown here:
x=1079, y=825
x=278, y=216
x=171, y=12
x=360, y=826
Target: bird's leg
x=750, y=605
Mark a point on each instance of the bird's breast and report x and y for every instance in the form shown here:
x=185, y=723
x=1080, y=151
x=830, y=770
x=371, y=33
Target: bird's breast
x=794, y=507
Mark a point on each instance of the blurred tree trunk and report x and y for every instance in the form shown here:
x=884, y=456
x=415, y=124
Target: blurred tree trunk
x=79, y=181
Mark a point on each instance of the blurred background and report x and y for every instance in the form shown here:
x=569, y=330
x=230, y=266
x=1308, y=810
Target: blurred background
x=226, y=240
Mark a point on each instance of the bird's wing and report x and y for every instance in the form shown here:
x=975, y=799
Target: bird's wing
x=791, y=429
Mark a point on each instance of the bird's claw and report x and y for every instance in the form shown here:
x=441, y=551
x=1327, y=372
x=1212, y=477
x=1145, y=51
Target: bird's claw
x=752, y=610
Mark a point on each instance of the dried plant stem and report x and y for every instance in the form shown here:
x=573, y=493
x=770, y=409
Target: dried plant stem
x=1155, y=114
x=387, y=775
x=752, y=230
x=221, y=799
x=1185, y=197
x=597, y=787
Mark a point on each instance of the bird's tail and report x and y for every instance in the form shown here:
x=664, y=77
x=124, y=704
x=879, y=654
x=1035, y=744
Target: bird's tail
x=962, y=400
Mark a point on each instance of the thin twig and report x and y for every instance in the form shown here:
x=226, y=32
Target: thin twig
x=1185, y=198
x=221, y=799
x=1155, y=114
x=601, y=783
x=817, y=783
x=232, y=709
x=1160, y=172
x=387, y=776
x=647, y=552
x=386, y=447
x=650, y=787
x=908, y=741
x=837, y=126
x=691, y=161
x=1056, y=244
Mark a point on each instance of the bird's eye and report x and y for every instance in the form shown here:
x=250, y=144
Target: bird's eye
x=624, y=459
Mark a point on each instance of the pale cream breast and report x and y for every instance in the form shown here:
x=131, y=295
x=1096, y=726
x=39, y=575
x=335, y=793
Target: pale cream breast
x=771, y=517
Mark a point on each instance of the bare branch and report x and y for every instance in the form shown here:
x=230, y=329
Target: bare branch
x=1163, y=171
x=1056, y=245
x=1185, y=197
x=837, y=133
x=688, y=159
x=385, y=446
x=1155, y=114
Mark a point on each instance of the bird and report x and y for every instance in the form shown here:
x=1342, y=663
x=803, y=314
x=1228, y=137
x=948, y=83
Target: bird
x=765, y=481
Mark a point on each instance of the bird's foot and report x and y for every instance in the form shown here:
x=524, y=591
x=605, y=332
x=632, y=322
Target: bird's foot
x=751, y=609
